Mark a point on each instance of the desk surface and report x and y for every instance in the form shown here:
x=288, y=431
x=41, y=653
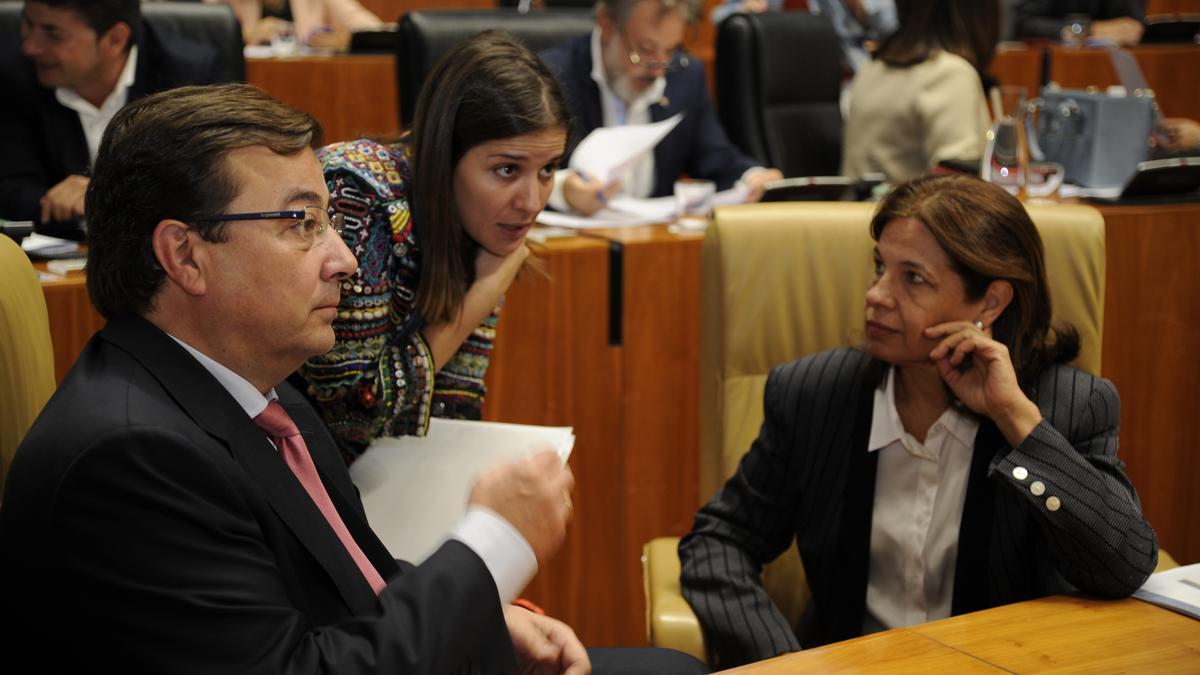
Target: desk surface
x=351, y=95
x=1060, y=633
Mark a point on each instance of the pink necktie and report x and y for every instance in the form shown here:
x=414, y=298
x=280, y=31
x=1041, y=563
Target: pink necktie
x=282, y=430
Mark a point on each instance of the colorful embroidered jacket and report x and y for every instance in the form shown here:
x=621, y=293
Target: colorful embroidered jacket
x=378, y=379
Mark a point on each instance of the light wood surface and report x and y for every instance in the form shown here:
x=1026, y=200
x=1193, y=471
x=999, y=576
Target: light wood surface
x=351, y=95
x=1056, y=634
x=553, y=365
x=73, y=319
x=1151, y=314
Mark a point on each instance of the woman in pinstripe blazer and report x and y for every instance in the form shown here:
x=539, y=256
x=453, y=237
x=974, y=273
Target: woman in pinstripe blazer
x=953, y=464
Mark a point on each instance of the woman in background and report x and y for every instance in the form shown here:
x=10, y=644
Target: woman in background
x=921, y=99
x=438, y=223
x=317, y=23
x=956, y=463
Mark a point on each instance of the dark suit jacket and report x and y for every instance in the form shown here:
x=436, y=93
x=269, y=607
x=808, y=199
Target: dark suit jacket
x=697, y=147
x=809, y=476
x=150, y=526
x=43, y=140
x=1045, y=18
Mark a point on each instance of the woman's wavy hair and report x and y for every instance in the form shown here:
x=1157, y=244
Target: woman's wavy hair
x=488, y=87
x=987, y=235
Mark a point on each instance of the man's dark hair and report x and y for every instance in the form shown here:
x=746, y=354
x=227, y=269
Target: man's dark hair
x=163, y=157
x=100, y=15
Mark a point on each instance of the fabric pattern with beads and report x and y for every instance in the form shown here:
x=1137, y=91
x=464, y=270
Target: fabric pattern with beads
x=378, y=379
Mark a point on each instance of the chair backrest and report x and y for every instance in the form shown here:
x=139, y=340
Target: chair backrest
x=780, y=281
x=426, y=35
x=26, y=355
x=778, y=79
x=214, y=25
x=210, y=24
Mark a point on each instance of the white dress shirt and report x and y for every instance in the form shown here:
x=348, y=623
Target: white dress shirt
x=920, y=489
x=95, y=120
x=505, y=553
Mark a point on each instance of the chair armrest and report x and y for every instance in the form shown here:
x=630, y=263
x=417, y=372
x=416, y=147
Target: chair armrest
x=670, y=621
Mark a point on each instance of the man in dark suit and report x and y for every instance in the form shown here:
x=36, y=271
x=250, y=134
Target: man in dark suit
x=631, y=70
x=78, y=63
x=1117, y=20
x=177, y=507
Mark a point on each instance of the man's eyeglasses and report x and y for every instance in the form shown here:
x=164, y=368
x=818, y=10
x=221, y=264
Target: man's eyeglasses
x=311, y=224
x=645, y=59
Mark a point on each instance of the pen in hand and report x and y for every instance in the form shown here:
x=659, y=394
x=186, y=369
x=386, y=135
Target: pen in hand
x=601, y=195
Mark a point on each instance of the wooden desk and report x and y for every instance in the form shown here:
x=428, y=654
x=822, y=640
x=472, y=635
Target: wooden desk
x=351, y=95
x=1060, y=633
x=73, y=319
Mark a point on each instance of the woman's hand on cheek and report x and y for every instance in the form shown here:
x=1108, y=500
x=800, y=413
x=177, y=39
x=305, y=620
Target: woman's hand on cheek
x=980, y=372
x=499, y=270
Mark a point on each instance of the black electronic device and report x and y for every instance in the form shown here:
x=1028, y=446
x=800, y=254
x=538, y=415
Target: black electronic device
x=1171, y=28
x=809, y=189
x=1157, y=180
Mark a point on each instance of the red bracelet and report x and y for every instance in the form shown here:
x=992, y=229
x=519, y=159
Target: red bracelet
x=523, y=603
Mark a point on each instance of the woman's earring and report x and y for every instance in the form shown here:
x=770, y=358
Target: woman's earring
x=978, y=324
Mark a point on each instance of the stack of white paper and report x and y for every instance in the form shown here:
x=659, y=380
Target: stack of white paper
x=415, y=488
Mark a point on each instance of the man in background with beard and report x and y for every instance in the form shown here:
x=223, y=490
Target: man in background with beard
x=632, y=70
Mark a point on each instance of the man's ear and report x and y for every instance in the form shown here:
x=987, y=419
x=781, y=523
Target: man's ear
x=606, y=24
x=996, y=299
x=116, y=39
x=182, y=255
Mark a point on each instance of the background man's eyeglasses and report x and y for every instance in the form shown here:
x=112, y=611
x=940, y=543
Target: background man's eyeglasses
x=644, y=59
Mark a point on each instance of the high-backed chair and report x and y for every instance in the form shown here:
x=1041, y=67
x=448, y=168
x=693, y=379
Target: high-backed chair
x=778, y=79
x=215, y=25
x=26, y=356
x=425, y=36
x=780, y=281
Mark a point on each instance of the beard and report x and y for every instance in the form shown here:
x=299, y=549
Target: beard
x=616, y=71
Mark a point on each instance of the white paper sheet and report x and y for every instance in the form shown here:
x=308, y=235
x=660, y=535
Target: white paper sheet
x=40, y=244
x=415, y=489
x=631, y=211
x=608, y=151
x=1177, y=589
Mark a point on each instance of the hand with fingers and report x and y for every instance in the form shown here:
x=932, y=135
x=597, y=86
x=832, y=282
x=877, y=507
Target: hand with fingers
x=545, y=645
x=980, y=372
x=534, y=496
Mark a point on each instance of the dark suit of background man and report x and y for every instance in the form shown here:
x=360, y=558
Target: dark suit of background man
x=150, y=526
x=78, y=62
x=1116, y=20
x=629, y=71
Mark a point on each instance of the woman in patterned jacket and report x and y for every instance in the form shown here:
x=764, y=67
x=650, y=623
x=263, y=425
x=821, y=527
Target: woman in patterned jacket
x=438, y=222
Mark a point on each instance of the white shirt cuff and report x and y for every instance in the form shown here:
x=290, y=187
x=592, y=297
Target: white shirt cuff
x=505, y=553
x=558, y=201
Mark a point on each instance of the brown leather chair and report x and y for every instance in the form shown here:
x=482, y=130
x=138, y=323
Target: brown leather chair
x=26, y=355
x=783, y=280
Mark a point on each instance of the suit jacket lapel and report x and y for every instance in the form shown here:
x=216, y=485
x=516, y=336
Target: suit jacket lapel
x=971, y=571
x=853, y=548
x=215, y=411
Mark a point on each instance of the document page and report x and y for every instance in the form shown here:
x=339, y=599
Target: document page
x=625, y=211
x=415, y=488
x=608, y=151
x=1177, y=589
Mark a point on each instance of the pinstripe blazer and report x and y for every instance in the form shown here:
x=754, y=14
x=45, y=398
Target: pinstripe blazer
x=808, y=476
